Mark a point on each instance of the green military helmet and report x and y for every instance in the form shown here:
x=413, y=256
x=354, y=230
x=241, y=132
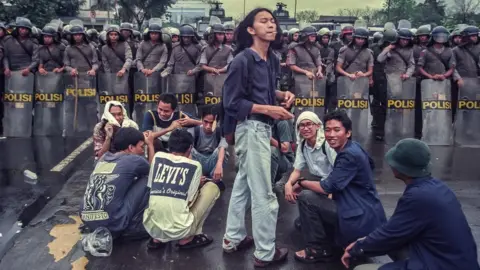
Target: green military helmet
x=390, y=36
x=126, y=26
x=423, y=30
x=167, y=35
x=35, y=32
x=113, y=28
x=66, y=29
x=92, y=32
x=377, y=36
x=137, y=35
x=292, y=32
x=102, y=37
x=455, y=33
x=174, y=31
x=324, y=31
x=23, y=22
x=414, y=31
x=229, y=26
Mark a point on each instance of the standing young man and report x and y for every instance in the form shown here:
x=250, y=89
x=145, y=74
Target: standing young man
x=249, y=99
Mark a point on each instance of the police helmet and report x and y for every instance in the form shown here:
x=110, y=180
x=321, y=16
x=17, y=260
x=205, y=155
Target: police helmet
x=377, y=36
x=187, y=31
x=49, y=30
x=390, y=36
x=126, y=26
x=324, y=32
x=25, y=23
x=155, y=28
x=308, y=31
x=229, y=26
x=174, y=31
x=346, y=30
x=92, y=32
x=218, y=28
x=422, y=31
x=360, y=32
x=470, y=31
x=405, y=33
x=440, y=34
x=77, y=29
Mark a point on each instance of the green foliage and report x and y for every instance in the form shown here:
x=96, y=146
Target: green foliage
x=307, y=16
x=142, y=10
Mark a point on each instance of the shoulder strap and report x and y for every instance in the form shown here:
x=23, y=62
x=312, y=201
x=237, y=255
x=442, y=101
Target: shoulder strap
x=439, y=58
x=60, y=63
x=190, y=57
x=346, y=66
x=471, y=54
x=401, y=56
x=122, y=58
x=84, y=56
x=149, y=52
x=311, y=55
x=209, y=59
x=153, y=117
x=24, y=48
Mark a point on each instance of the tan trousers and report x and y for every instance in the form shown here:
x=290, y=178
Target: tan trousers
x=202, y=206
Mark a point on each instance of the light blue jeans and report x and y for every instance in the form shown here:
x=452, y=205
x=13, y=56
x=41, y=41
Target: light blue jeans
x=209, y=162
x=253, y=185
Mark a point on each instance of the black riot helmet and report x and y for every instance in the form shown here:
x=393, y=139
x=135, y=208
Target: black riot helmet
x=360, y=32
x=77, y=29
x=155, y=28
x=114, y=28
x=25, y=23
x=439, y=35
x=308, y=31
x=187, y=31
x=470, y=31
x=49, y=30
x=137, y=35
x=377, y=36
x=405, y=33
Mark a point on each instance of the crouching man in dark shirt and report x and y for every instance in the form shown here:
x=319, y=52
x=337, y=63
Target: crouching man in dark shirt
x=355, y=208
x=117, y=192
x=428, y=220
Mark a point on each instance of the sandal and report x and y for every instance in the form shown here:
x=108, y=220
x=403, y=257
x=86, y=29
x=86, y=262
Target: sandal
x=312, y=256
x=155, y=245
x=198, y=240
x=244, y=244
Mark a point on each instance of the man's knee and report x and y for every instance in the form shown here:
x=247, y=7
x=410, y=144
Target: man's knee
x=210, y=190
x=307, y=196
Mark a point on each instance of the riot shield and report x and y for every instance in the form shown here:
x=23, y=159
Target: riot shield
x=212, y=88
x=389, y=25
x=111, y=87
x=404, y=24
x=146, y=93
x=48, y=116
x=183, y=86
x=400, y=121
x=309, y=95
x=80, y=105
x=437, y=112
x=214, y=20
x=352, y=97
x=467, y=119
x=18, y=105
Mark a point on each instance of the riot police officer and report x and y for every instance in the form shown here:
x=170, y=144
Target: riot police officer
x=436, y=61
x=328, y=55
x=152, y=53
x=355, y=60
x=294, y=35
x=229, y=30
x=398, y=57
x=216, y=55
x=304, y=57
x=80, y=56
x=175, y=33
x=116, y=55
x=185, y=54
x=20, y=49
x=51, y=53
x=92, y=35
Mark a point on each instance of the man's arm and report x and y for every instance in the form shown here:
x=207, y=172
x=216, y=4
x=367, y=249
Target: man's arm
x=95, y=62
x=344, y=171
x=128, y=57
x=106, y=64
x=34, y=63
x=148, y=122
x=402, y=227
x=411, y=65
x=163, y=59
x=139, y=58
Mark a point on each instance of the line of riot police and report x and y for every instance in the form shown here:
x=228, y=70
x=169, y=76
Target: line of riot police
x=417, y=82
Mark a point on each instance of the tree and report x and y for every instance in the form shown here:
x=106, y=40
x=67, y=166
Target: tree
x=68, y=8
x=142, y=10
x=104, y=5
x=370, y=15
x=431, y=11
x=307, y=16
x=464, y=10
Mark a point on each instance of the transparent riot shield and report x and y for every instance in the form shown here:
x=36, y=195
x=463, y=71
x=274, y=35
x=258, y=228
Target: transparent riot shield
x=360, y=23
x=212, y=88
x=437, y=112
x=147, y=92
x=183, y=86
x=309, y=95
x=389, y=25
x=404, y=24
x=48, y=116
x=111, y=87
x=352, y=97
x=467, y=119
x=400, y=121
x=80, y=105
x=18, y=105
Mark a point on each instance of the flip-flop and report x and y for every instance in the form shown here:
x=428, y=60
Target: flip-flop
x=312, y=257
x=198, y=240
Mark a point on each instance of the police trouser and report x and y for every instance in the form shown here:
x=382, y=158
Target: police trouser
x=379, y=105
x=418, y=109
x=331, y=96
x=2, y=90
x=454, y=99
x=131, y=90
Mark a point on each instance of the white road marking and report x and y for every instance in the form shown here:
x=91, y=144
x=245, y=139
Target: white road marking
x=64, y=163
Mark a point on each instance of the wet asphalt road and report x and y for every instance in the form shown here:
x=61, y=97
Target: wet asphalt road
x=50, y=241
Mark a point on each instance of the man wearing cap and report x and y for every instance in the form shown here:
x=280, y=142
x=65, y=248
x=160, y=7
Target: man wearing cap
x=428, y=219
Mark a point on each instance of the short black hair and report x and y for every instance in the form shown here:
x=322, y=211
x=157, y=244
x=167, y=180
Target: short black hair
x=180, y=141
x=125, y=137
x=169, y=98
x=209, y=111
x=341, y=116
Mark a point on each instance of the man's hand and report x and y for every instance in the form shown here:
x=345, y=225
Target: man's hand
x=175, y=124
x=288, y=99
x=109, y=130
x=290, y=195
x=203, y=180
x=25, y=72
x=283, y=64
x=359, y=74
x=57, y=70
x=310, y=75
x=148, y=138
x=352, y=76
x=215, y=71
x=319, y=74
x=91, y=72
x=190, y=73
x=74, y=73
x=279, y=113
x=284, y=147
x=390, y=47
x=121, y=72
x=147, y=72
x=7, y=72
x=218, y=173
x=164, y=74
x=404, y=76
x=346, y=259
x=42, y=71
x=441, y=77
x=370, y=81
x=460, y=83
x=184, y=122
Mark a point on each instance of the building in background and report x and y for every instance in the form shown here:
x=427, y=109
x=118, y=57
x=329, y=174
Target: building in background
x=187, y=11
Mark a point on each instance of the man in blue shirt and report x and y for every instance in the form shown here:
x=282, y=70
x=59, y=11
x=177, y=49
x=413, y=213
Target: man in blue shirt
x=249, y=100
x=428, y=220
x=355, y=208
